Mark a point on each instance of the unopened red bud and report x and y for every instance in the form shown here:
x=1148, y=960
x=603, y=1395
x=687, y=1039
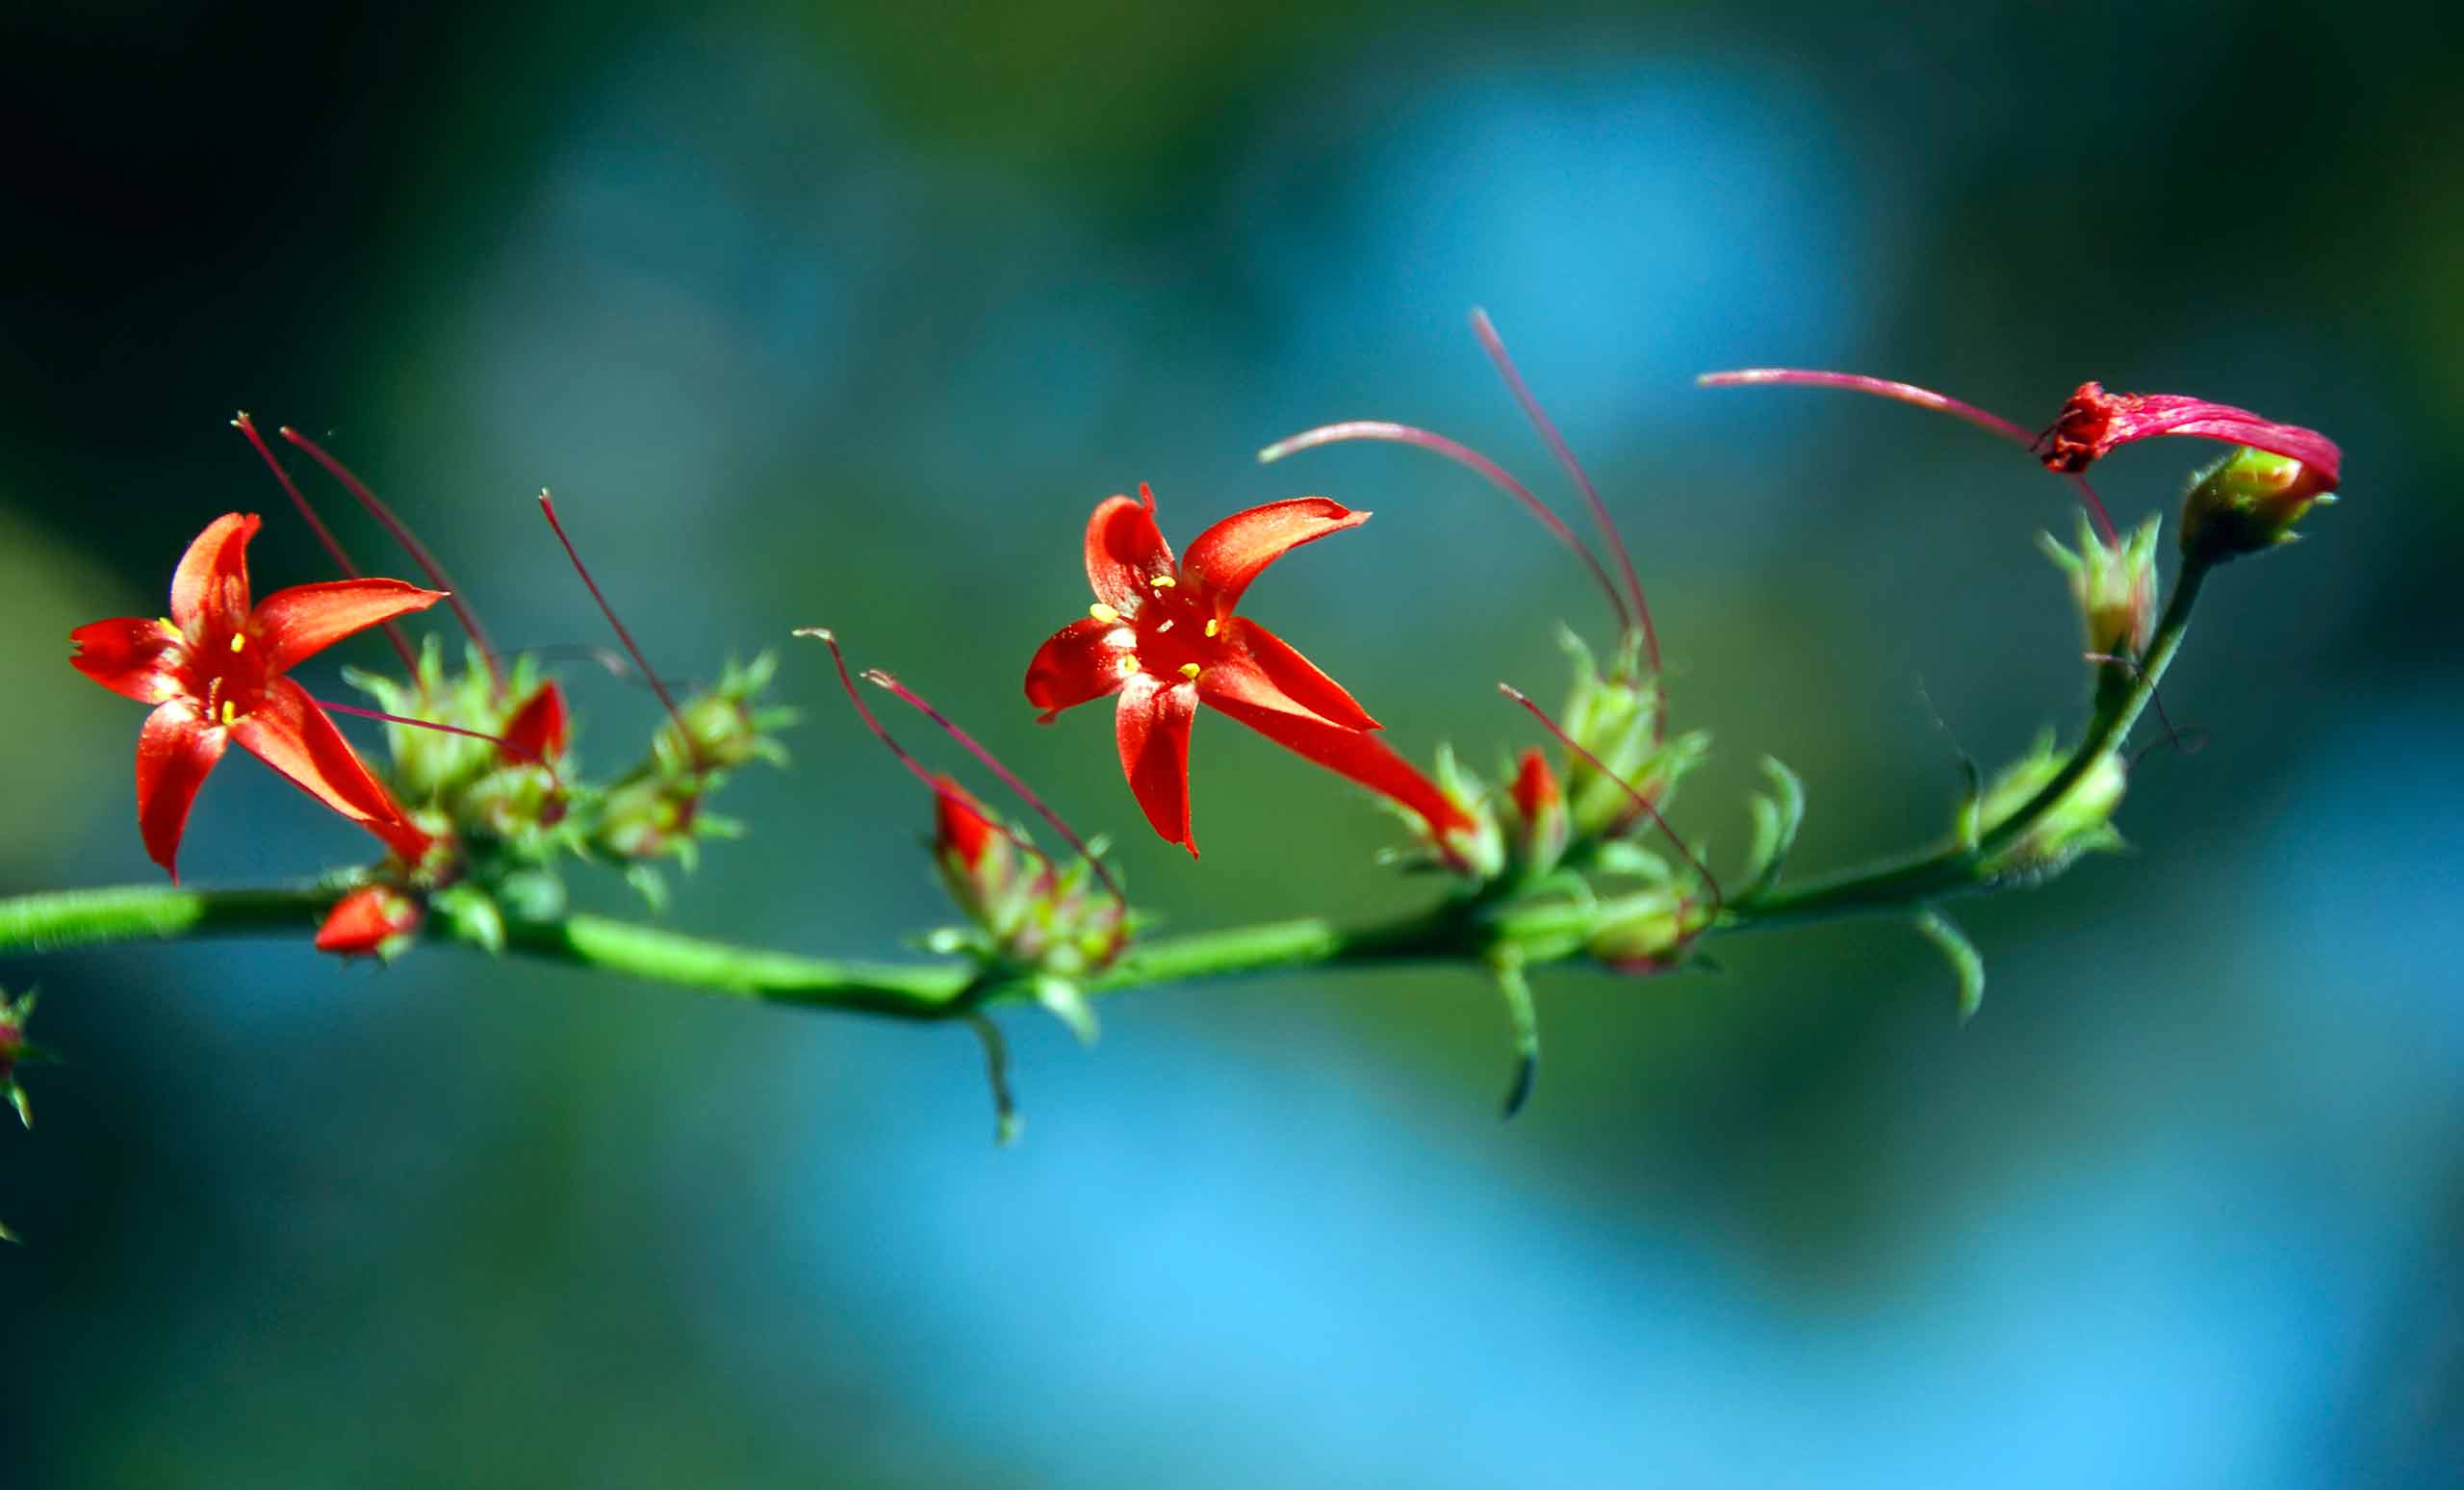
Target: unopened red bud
x=1542, y=823
x=962, y=831
x=539, y=729
x=375, y=920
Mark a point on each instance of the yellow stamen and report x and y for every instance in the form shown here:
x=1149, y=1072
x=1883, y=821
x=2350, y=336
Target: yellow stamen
x=1165, y=626
x=1128, y=664
x=1103, y=612
x=170, y=629
x=1212, y=626
x=230, y=716
x=1190, y=670
x=237, y=640
x=1163, y=581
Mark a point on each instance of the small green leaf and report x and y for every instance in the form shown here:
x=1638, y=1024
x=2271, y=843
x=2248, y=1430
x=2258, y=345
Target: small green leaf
x=1953, y=943
x=1776, y=821
x=17, y=1099
x=648, y=884
x=1064, y=1000
x=1524, y=1020
x=1007, y=1124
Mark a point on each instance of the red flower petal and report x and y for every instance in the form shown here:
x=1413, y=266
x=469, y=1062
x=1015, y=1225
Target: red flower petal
x=1124, y=549
x=176, y=752
x=539, y=727
x=1079, y=663
x=210, y=589
x=1153, y=728
x=1296, y=677
x=130, y=655
x=1227, y=557
x=2095, y=422
x=1238, y=688
x=288, y=732
x=298, y=622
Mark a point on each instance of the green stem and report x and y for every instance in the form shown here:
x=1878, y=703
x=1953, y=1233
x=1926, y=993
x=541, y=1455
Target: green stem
x=1965, y=866
x=1465, y=930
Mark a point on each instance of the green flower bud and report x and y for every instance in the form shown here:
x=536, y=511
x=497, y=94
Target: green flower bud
x=1649, y=931
x=2081, y=822
x=2247, y=503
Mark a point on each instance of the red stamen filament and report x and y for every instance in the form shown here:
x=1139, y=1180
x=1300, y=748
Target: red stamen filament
x=1495, y=345
x=1642, y=803
x=1923, y=398
x=548, y=506
x=326, y=538
x=1026, y=795
x=1470, y=460
x=499, y=741
x=940, y=789
x=401, y=534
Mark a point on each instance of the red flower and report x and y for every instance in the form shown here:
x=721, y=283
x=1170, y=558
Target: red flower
x=2094, y=421
x=1163, y=637
x=215, y=672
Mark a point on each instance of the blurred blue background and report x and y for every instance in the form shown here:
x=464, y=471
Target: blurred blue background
x=848, y=315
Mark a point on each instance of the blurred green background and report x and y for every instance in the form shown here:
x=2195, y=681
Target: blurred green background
x=848, y=315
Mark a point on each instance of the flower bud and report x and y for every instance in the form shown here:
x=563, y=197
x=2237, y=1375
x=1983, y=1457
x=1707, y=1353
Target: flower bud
x=2114, y=585
x=1648, y=932
x=2081, y=822
x=1027, y=913
x=375, y=920
x=1541, y=824
x=1614, y=717
x=723, y=729
x=2247, y=503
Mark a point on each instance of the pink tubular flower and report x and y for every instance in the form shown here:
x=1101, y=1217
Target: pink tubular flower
x=214, y=670
x=1163, y=637
x=2094, y=421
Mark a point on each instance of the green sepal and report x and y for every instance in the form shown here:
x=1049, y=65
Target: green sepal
x=650, y=885
x=473, y=916
x=1525, y=1021
x=1964, y=960
x=1776, y=821
x=1064, y=1001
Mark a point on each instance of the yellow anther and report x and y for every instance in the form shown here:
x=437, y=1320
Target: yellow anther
x=1103, y=612
x=1165, y=626
x=1212, y=626
x=239, y=640
x=170, y=629
x=1188, y=670
x=1128, y=664
x=230, y=716
x=1163, y=581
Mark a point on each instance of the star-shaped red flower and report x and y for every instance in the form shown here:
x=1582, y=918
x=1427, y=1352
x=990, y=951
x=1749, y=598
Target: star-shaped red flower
x=214, y=670
x=1163, y=637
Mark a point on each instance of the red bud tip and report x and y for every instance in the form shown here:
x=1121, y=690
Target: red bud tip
x=364, y=923
x=1535, y=785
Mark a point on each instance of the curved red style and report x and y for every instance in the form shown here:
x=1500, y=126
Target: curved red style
x=214, y=670
x=1163, y=637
